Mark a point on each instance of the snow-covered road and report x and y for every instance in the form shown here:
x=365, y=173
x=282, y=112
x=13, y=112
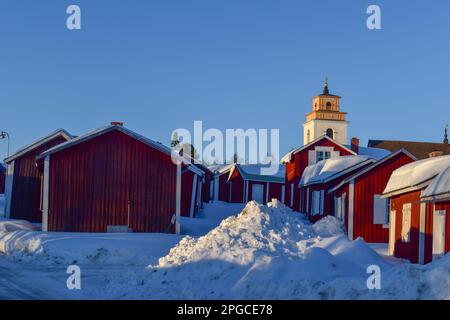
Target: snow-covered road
x=25, y=281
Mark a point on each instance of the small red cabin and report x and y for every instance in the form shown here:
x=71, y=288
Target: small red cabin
x=417, y=225
x=23, y=180
x=358, y=202
x=192, y=185
x=296, y=162
x=220, y=189
x=111, y=180
x=249, y=182
x=318, y=179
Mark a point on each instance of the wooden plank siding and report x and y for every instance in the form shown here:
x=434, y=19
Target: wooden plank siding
x=26, y=187
x=109, y=180
x=366, y=187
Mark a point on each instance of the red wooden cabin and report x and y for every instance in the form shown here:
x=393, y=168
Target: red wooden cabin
x=111, y=179
x=358, y=202
x=296, y=162
x=192, y=185
x=2, y=178
x=23, y=181
x=318, y=179
x=412, y=220
x=249, y=182
x=220, y=189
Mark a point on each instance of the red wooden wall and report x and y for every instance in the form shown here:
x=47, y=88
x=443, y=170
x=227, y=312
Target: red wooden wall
x=224, y=188
x=237, y=187
x=2, y=180
x=365, y=187
x=186, y=192
x=98, y=182
x=410, y=250
x=26, y=189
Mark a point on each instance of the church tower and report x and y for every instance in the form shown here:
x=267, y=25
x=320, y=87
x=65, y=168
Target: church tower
x=325, y=118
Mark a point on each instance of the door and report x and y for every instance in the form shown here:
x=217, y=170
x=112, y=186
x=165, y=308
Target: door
x=438, y=234
x=392, y=232
x=257, y=193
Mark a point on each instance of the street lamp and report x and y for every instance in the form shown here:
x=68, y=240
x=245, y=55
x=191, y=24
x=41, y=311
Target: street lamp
x=5, y=135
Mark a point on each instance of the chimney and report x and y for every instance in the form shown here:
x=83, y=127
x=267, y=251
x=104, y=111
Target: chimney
x=435, y=154
x=355, y=145
x=115, y=123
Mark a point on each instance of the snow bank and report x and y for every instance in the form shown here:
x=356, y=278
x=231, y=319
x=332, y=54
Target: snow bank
x=19, y=242
x=416, y=173
x=262, y=253
x=440, y=185
x=325, y=169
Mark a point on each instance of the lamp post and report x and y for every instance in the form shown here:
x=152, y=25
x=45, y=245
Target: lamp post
x=5, y=135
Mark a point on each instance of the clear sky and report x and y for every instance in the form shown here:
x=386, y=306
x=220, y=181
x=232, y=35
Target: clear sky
x=160, y=65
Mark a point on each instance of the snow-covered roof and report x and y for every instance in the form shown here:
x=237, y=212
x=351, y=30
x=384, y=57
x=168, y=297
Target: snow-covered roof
x=416, y=175
x=374, y=153
x=330, y=169
x=439, y=188
x=288, y=156
x=221, y=168
x=371, y=167
x=101, y=131
x=38, y=143
x=256, y=172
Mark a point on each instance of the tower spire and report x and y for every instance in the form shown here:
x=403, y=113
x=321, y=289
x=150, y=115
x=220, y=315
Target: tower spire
x=325, y=88
x=446, y=135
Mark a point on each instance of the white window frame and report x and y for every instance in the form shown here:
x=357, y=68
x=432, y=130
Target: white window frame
x=380, y=210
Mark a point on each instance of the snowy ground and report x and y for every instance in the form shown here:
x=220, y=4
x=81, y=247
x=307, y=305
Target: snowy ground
x=263, y=252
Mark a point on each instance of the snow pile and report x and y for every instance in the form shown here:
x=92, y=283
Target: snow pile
x=439, y=186
x=263, y=253
x=328, y=226
x=416, y=173
x=326, y=169
x=257, y=229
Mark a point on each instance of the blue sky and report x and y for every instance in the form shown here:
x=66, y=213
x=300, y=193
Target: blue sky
x=160, y=65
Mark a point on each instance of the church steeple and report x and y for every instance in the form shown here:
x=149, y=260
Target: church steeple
x=325, y=87
x=325, y=118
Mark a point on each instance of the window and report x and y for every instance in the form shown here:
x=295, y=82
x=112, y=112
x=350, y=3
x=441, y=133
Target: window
x=330, y=133
x=380, y=210
x=308, y=136
x=328, y=105
x=406, y=222
x=322, y=155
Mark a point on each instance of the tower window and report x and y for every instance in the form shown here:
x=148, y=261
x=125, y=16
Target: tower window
x=330, y=133
x=328, y=105
x=308, y=136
